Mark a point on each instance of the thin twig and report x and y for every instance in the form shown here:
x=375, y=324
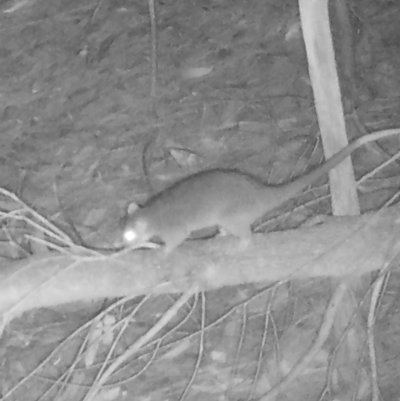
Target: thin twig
x=37, y=215
x=165, y=319
x=323, y=335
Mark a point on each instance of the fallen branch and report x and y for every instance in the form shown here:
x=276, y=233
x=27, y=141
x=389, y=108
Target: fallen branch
x=346, y=246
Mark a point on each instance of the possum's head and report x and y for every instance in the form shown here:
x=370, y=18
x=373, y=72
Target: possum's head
x=137, y=232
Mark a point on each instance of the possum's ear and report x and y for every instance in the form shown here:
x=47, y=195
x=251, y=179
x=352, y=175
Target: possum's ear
x=132, y=207
x=125, y=212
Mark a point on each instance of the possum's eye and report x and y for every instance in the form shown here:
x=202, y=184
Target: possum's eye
x=137, y=232
x=130, y=235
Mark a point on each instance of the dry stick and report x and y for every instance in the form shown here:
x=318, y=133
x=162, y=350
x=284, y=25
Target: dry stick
x=194, y=334
x=360, y=127
x=354, y=317
x=323, y=334
x=378, y=168
x=47, y=231
x=227, y=314
x=44, y=362
x=80, y=354
x=50, y=245
x=370, y=332
x=183, y=321
x=65, y=377
x=201, y=348
x=334, y=353
x=390, y=201
x=148, y=363
x=66, y=251
x=115, y=342
x=77, y=234
x=159, y=341
x=167, y=317
x=371, y=321
x=235, y=369
x=17, y=215
x=14, y=243
x=52, y=231
x=64, y=342
x=41, y=219
x=323, y=73
x=268, y=316
x=277, y=353
x=268, y=319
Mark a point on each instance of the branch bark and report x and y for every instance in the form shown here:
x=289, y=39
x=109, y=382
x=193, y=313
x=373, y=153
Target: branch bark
x=342, y=246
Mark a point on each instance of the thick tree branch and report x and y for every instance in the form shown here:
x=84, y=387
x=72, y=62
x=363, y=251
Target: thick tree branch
x=339, y=247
